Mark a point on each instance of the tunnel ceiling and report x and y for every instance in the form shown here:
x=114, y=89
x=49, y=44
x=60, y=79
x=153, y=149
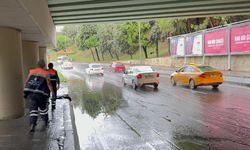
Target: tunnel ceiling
x=99, y=11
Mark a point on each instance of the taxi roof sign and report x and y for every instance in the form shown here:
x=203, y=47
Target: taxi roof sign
x=191, y=63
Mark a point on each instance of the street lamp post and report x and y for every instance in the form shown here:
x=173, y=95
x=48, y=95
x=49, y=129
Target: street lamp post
x=65, y=46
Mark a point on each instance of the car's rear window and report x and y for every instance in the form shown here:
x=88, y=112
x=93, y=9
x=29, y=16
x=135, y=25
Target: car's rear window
x=205, y=68
x=96, y=66
x=145, y=69
x=119, y=65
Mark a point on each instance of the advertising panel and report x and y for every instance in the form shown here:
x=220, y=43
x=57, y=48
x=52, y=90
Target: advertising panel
x=180, y=47
x=194, y=45
x=240, y=39
x=216, y=42
x=174, y=46
x=189, y=45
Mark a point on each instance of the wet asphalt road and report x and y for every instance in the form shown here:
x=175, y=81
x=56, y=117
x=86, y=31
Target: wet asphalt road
x=110, y=116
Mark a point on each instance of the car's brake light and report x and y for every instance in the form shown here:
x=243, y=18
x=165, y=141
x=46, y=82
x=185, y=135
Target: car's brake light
x=157, y=75
x=102, y=68
x=139, y=76
x=91, y=69
x=202, y=75
x=221, y=74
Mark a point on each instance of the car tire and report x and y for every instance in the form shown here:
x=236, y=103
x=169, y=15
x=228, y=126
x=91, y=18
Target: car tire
x=89, y=74
x=215, y=86
x=192, y=84
x=102, y=74
x=155, y=86
x=134, y=85
x=173, y=81
x=123, y=82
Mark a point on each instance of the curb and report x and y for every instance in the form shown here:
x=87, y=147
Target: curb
x=70, y=129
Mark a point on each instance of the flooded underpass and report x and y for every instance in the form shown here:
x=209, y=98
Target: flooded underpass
x=112, y=116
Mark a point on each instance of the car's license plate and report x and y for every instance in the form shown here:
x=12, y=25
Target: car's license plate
x=149, y=76
x=120, y=69
x=97, y=69
x=213, y=76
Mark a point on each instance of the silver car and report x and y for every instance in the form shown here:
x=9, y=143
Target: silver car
x=140, y=76
x=94, y=69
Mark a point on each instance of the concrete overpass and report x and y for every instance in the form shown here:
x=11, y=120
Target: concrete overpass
x=27, y=29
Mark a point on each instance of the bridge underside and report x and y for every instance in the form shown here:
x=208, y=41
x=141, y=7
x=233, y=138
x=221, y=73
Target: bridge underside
x=99, y=11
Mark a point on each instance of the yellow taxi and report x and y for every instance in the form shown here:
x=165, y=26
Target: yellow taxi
x=197, y=75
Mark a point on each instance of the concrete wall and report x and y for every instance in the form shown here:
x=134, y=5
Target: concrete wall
x=238, y=62
x=39, y=11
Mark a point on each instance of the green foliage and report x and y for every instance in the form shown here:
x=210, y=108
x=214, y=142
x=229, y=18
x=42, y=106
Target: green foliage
x=61, y=42
x=201, y=26
x=70, y=30
x=77, y=40
x=61, y=77
x=86, y=31
x=92, y=42
x=108, y=41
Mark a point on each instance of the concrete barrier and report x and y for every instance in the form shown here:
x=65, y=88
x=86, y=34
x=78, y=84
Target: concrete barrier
x=238, y=62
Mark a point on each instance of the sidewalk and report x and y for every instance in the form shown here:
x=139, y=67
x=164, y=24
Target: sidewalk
x=60, y=133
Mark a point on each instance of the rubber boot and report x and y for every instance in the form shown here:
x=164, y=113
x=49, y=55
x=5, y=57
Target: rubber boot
x=32, y=128
x=53, y=104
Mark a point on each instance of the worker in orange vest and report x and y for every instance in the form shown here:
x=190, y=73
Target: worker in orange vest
x=54, y=79
x=37, y=88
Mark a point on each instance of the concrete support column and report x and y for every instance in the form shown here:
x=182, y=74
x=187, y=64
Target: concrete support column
x=11, y=75
x=30, y=57
x=43, y=54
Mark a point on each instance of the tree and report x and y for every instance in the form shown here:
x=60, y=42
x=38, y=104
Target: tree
x=104, y=35
x=132, y=35
x=77, y=40
x=88, y=45
x=156, y=35
x=107, y=37
x=70, y=30
x=93, y=42
x=86, y=31
x=61, y=42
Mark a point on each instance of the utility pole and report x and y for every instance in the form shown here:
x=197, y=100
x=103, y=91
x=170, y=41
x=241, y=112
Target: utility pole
x=65, y=45
x=140, y=42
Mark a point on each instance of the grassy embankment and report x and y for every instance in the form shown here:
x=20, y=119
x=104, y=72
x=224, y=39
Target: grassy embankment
x=61, y=77
x=85, y=56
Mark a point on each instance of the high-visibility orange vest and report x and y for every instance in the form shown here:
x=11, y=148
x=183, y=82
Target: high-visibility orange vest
x=37, y=82
x=53, y=74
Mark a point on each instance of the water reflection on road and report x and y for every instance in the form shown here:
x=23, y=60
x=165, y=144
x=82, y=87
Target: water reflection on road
x=93, y=100
x=110, y=116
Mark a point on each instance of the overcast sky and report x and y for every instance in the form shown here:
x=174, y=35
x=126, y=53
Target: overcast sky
x=59, y=28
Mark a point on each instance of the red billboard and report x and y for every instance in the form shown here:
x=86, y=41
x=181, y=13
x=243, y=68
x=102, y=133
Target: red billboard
x=216, y=42
x=240, y=39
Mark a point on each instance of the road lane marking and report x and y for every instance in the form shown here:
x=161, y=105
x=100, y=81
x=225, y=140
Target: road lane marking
x=150, y=146
x=237, y=86
x=103, y=142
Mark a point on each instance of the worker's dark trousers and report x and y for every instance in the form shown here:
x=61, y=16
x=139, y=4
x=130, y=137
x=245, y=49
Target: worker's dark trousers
x=35, y=101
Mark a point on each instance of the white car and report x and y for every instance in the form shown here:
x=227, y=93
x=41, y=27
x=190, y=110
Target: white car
x=61, y=59
x=66, y=64
x=94, y=69
x=140, y=76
